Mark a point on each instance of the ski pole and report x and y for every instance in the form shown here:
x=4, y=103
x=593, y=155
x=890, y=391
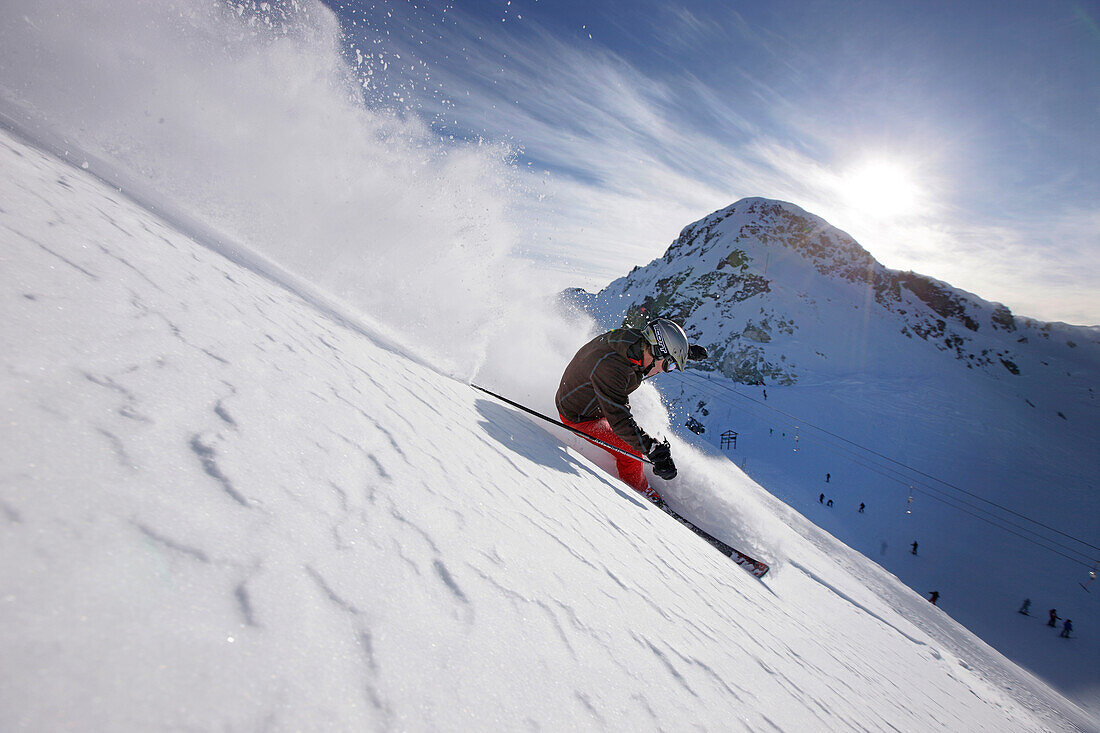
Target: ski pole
x=581, y=433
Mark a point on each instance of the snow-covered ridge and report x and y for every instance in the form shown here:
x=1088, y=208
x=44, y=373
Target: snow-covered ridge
x=222, y=508
x=767, y=287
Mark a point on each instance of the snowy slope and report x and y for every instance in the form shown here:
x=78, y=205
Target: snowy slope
x=895, y=386
x=222, y=507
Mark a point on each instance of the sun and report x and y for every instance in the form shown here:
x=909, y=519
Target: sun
x=881, y=188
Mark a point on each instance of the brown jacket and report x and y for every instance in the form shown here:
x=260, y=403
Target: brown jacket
x=599, y=380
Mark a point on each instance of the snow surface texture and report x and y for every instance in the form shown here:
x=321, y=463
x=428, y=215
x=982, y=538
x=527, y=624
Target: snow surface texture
x=827, y=363
x=221, y=507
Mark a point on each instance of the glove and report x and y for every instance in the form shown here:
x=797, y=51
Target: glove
x=661, y=455
x=697, y=352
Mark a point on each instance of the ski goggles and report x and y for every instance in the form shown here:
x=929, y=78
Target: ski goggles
x=660, y=352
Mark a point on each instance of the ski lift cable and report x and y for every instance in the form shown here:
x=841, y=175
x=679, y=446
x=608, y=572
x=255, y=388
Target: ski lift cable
x=929, y=476
x=900, y=478
x=948, y=500
x=804, y=423
x=856, y=458
x=933, y=492
x=1023, y=537
x=938, y=495
x=952, y=501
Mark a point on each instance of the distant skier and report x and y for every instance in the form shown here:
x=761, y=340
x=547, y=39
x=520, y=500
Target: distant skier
x=821, y=499
x=862, y=506
x=1024, y=608
x=829, y=503
x=914, y=546
x=1066, y=628
x=1053, y=618
x=765, y=394
x=593, y=396
x=827, y=477
x=934, y=597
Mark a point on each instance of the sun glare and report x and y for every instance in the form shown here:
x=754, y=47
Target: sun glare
x=881, y=188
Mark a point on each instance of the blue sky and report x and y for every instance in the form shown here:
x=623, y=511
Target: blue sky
x=959, y=140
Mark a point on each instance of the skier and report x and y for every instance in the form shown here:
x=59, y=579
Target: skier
x=829, y=502
x=593, y=396
x=862, y=506
x=1066, y=628
x=821, y=499
x=914, y=547
x=1024, y=608
x=827, y=477
x=934, y=597
x=1053, y=618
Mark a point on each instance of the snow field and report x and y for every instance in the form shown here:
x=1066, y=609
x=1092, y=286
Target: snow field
x=221, y=508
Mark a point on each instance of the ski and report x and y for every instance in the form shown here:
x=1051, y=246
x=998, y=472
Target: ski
x=751, y=564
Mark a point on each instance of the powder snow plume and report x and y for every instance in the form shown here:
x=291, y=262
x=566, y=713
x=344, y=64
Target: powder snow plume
x=251, y=118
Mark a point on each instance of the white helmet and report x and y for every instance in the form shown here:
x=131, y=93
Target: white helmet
x=667, y=340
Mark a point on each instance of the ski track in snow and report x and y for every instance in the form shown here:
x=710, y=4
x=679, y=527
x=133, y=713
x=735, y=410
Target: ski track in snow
x=221, y=508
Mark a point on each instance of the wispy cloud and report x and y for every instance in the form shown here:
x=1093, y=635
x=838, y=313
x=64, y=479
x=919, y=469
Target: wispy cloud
x=618, y=159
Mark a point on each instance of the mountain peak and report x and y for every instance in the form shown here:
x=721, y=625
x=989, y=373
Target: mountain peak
x=756, y=225
x=778, y=294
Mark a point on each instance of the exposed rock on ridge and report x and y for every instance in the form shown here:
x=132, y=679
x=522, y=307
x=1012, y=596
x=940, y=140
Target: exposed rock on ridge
x=778, y=294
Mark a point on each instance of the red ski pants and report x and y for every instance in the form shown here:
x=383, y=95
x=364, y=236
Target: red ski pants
x=629, y=469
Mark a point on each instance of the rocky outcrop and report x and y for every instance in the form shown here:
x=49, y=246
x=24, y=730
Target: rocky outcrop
x=746, y=281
